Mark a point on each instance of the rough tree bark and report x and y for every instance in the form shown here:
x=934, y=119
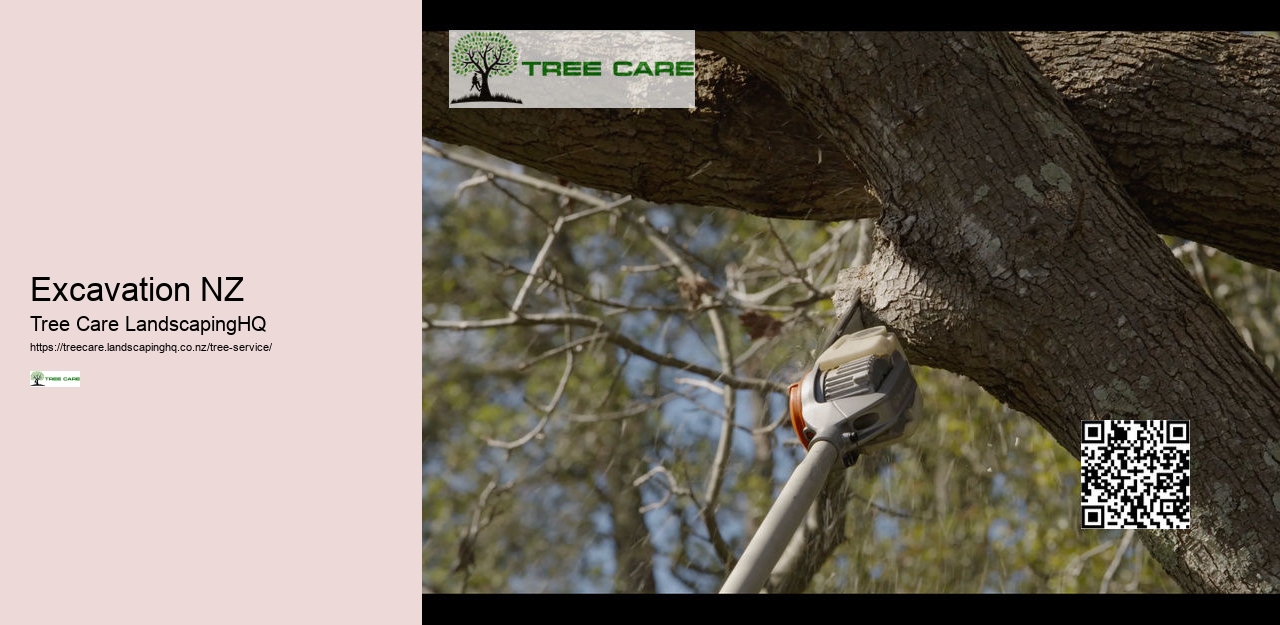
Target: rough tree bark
x=1186, y=120
x=1009, y=248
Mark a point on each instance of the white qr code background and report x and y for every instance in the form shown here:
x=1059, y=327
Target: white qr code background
x=1135, y=474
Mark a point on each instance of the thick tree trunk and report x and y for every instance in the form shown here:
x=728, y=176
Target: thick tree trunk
x=1208, y=102
x=1008, y=250
x=1009, y=253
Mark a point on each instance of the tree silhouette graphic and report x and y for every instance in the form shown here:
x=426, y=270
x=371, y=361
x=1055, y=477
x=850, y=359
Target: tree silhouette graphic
x=37, y=376
x=484, y=54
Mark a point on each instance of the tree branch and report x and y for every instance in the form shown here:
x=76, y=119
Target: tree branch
x=980, y=269
x=1187, y=120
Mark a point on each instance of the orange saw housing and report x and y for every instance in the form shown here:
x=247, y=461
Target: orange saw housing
x=797, y=416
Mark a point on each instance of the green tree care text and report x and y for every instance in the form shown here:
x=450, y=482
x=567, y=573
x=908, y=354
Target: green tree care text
x=620, y=68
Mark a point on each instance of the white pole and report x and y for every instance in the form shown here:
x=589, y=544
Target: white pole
x=780, y=524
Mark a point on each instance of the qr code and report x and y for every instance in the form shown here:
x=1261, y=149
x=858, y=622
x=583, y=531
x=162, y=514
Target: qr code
x=1135, y=474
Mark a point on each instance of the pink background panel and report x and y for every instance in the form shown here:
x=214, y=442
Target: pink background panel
x=269, y=140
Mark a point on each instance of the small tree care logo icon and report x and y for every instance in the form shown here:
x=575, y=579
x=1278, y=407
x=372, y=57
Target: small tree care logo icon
x=54, y=379
x=484, y=54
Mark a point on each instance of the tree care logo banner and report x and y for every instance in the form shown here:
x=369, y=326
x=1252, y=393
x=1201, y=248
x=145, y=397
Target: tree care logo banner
x=571, y=69
x=53, y=379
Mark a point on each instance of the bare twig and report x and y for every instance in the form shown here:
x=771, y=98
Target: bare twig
x=786, y=252
x=671, y=488
x=551, y=238
x=889, y=511
x=645, y=268
x=1115, y=561
x=626, y=413
x=467, y=544
x=722, y=379
x=724, y=352
x=608, y=303
x=702, y=384
x=620, y=340
x=546, y=410
x=529, y=181
x=590, y=338
x=1073, y=568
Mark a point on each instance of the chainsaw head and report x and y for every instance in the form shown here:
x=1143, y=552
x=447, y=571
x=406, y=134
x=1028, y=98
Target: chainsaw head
x=859, y=395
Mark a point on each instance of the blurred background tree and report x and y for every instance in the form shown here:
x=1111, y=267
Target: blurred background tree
x=603, y=407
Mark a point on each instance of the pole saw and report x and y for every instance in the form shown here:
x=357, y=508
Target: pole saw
x=858, y=396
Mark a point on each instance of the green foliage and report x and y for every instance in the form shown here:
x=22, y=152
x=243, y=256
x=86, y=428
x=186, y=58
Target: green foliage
x=484, y=52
